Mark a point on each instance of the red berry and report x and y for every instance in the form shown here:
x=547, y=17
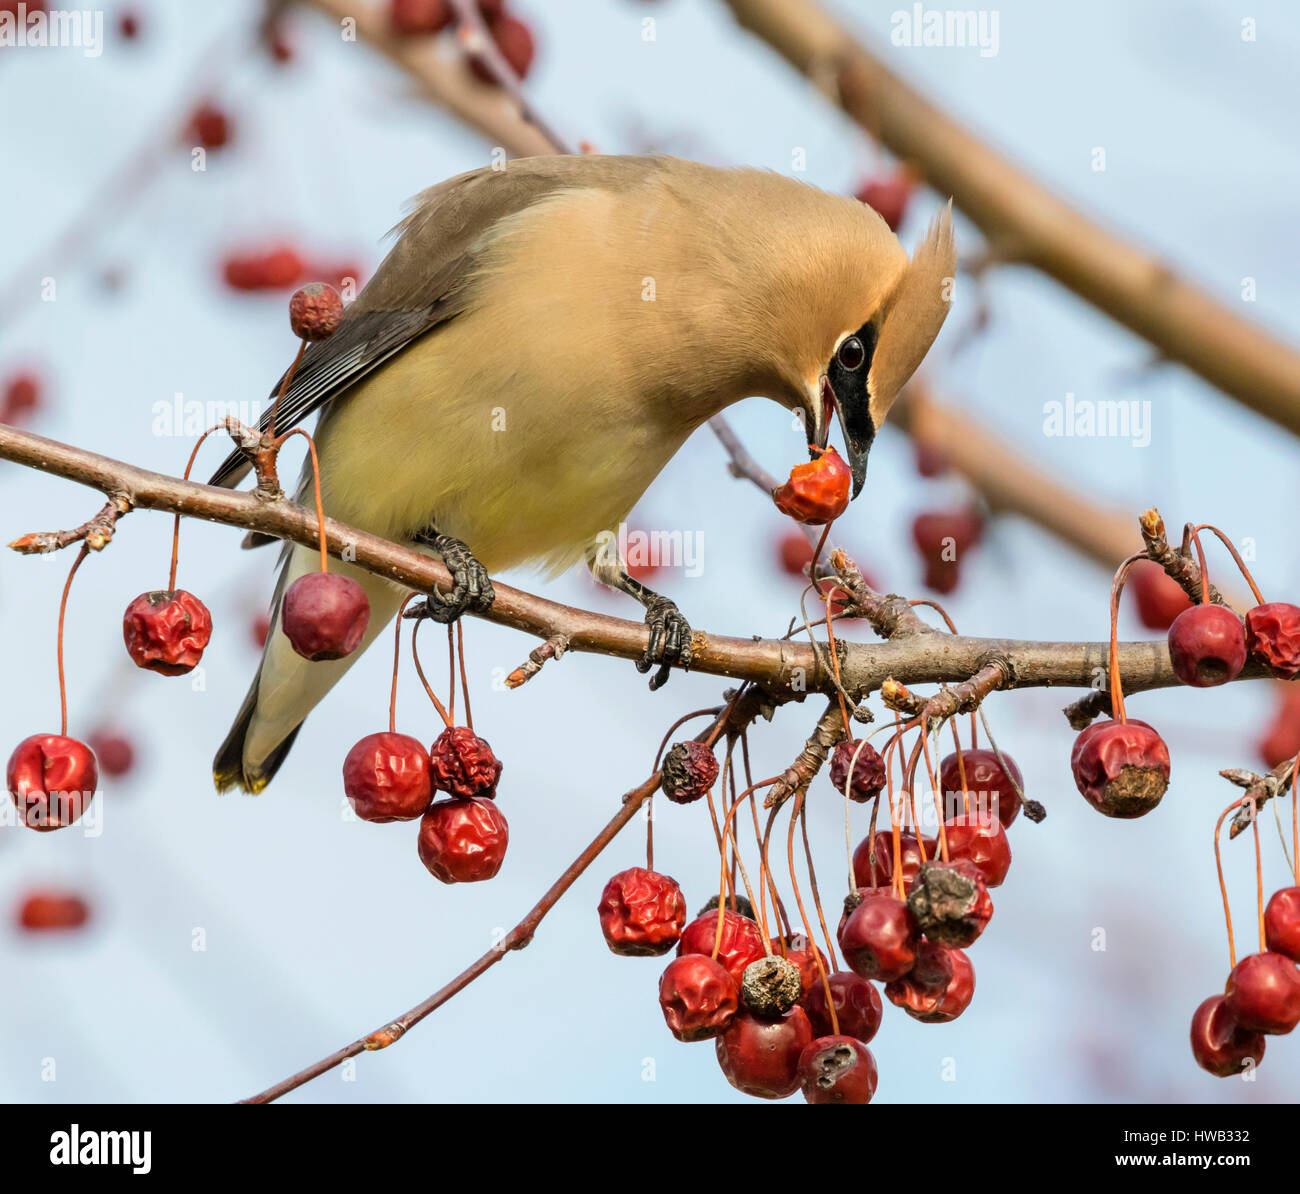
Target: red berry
x=115, y=753
x=128, y=24
x=990, y=786
x=689, y=770
x=1282, y=923
x=1263, y=993
x=1121, y=768
x=281, y=266
x=760, y=1057
x=795, y=553
x=463, y=763
x=209, y=126
x=386, y=778
x=22, y=395
x=982, y=842
x=259, y=629
x=1219, y=1044
x=742, y=941
x=1273, y=637
x=939, y=987
x=951, y=902
x=166, y=632
x=889, y=196
x=817, y=492
x=856, y=1002
x=1160, y=598
x=642, y=912
x=419, y=18
x=942, y=537
x=1281, y=741
x=463, y=841
x=837, y=1069
x=515, y=41
x=324, y=615
x=315, y=311
x=868, y=770
x=931, y=461
x=880, y=938
x=51, y=779
x=698, y=997
x=873, y=866
x=41, y=911
x=803, y=955
x=1207, y=645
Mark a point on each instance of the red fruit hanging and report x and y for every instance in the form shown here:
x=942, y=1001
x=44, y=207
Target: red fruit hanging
x=942, y=537
x=770, y=986
x=52, y=779
x=804, y=955
x=1219, y=1044
x=419, y=18
x=873, y=866
x=1263, y=993
x=856, y=1002
x=315, y=311
x=950, y=902
x=742, y=940
x=51, y=910
x=880, y=938
x=760, y=1057
x=167, y=632
x=795, y=553
x=114, y=752
x=1282, y=923
x=324, y=615
x=939, y=987
x=463, y=841
x=1207, y=646
x=991, y=786
x=642, y=912
x=386, y=778
x=837, y=1069
x=1121, y=768
x=698, y=997
x=463, y=763
x=888, y=195
x=817, y=492
x=1160, y=598
x=689, y=770
x=1281, y=739
x=868, y=771
x=982, y=842
x=22, y=396
x=1273, y=637
x=515, y=41
x=209, y=126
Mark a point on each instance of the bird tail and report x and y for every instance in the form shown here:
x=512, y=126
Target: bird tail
x=287, y=687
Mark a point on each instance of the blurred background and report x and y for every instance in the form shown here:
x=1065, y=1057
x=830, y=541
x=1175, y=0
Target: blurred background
x=229, y=941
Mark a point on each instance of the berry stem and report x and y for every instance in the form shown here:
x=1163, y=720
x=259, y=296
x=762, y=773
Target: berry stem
x=1295, y=821
x=1223, y=886
x=464, y=681
x=320, y=508
x=419, y=671
x=63, y=609
x=397, y=650
x=1236, y=557
x=176, y=525
x=451, y=673
x=961, y=764
x=1112, y=666
x=803, y=915
x=812, y=880
x=1259, y=877
x=284, y=387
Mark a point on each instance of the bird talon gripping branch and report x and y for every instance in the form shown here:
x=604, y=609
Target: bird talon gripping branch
x=471, y=590
x=670, y=639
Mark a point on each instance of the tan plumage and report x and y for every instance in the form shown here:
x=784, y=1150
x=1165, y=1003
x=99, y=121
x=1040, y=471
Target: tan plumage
x=540, y=342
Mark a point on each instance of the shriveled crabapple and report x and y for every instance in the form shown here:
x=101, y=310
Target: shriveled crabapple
x=1220, y=1045
x=1120, y=768
x=760, y=1056
x=166, y=632
x=689, y=770
x=880, y=937
x=867, y=769
x=939, y=987
x=642, y=912
x=386, y=778
x=463, y=840
x=873, y=862
x=993, y=784
x=837, y=1069
x=315, y=311
x=951, y=903
x=856, y=1002
x=742, y=940
x=803, y=954
x=770, y=986
x=324, y=615
x=463, y=764
x=1263, y=993
x=698, y=997
x=1207, y=646
x=942, y=538
x=1273, y=637
x=52, y=779
x=817, y=492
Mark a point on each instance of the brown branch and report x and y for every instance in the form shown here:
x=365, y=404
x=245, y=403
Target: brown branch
x=963, y=697
x=1177, y=562
x=1022, y=219
x=796, y=778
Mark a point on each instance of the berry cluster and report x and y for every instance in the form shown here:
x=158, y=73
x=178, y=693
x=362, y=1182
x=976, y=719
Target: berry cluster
x=425, y=18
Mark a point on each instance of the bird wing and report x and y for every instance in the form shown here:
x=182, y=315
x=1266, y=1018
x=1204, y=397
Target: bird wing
x=424, y=280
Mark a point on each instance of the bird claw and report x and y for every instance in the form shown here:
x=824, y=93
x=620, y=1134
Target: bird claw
x=670, y=641
x=471, y=590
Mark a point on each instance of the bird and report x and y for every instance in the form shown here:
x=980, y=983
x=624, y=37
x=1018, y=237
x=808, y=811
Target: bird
x=543, y=336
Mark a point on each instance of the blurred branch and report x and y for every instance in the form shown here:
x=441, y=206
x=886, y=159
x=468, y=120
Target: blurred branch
x=1025, y=222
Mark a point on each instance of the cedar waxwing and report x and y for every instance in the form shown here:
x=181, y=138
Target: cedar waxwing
x=538, y=344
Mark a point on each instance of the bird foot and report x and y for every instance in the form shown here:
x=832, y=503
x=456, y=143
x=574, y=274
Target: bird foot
x=471, y=590
x=670, y=639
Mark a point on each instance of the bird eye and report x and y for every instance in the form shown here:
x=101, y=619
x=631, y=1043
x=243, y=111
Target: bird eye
x=852, y=354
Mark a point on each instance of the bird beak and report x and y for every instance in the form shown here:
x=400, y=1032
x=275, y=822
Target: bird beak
x=856, y=426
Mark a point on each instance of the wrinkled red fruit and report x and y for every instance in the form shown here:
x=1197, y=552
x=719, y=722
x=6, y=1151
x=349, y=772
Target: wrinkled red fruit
x=938, y=988
x=641, y=912
x=880, y=938
x=982, y=842
x=515, y=41
x=837, y=1069
x=115, y=753
x=315, y=311
x=166, y=632
x=760, y=1057
x=803, y=954
x=43, y=911
x=417, y=18
x=51, y=779
x=742, y=940
x=386, y=778
x=1160, y=598
x=1207, y=646
x=22, y=395
x=1219, y=1044
x=1263, y=993
x=209, y=126
x=817, y=492
x=874, y=866
x=698, y=997
x=1282, y=923
x=990, y=787
x=463, y=764
x=690, y=769
x=951, y=903
x=1281, y=740
x=276, y=268
x=463, y=841
x=1273, y=637
x=1121, y=769
x=889, y=196
x=324, y=615
x=942, y=538
x=868, y=771
x=856, y=1002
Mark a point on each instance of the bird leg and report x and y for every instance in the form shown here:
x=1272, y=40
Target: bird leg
x=670, y=633
x=471, y=589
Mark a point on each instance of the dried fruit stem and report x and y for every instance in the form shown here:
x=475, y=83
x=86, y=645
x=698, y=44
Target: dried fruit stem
x=63, y=610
